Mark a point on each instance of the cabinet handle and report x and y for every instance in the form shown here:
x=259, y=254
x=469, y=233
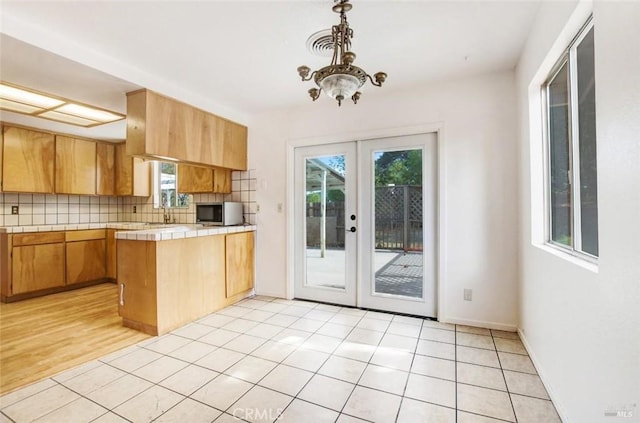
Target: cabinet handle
x=122, y=294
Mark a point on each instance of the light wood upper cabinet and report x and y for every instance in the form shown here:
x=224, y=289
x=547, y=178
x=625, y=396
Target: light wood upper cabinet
x=221, y=180
x=105, y=169
x=86, y=256
x=75, y=166
x=195, y=179
x=38, y=262
x=28, y=158
x=133, y=175
x=240, y=262
x=234, y=155
x=158, y=126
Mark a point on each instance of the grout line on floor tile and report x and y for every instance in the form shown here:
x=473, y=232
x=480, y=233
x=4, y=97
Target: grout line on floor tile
x=505, y=379
x=7, y=417
x=455, y=360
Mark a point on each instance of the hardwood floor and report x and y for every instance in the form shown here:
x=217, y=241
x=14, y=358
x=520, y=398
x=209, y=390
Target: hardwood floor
x=43, y=336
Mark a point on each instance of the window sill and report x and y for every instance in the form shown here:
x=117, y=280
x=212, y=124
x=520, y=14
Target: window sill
x=571, y=258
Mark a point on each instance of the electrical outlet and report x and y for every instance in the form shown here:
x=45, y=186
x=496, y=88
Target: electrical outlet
x=135, y=209
x=467, y=294
x=257, y=208
x=14, y=209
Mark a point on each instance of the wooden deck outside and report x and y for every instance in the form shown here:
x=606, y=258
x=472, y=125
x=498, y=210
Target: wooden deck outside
x=44, y=336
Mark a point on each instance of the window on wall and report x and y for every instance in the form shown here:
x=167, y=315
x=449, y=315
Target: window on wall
x=572, y=191
x=166, y=186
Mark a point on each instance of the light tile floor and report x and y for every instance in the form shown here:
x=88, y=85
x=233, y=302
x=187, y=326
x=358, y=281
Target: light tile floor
x=267, y=360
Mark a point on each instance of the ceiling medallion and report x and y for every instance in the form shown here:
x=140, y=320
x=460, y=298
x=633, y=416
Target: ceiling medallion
x=341, y=79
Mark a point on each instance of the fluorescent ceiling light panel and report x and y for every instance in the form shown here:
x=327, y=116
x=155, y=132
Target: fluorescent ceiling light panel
x=27, y=97
x=28, y=102
x=63, y=117
x=88, y=112
x=17, y=107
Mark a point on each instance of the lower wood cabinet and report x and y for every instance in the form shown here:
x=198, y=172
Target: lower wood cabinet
x=86, y=255
x=239, y=263
x=111, y=254
x=37, y=262
x=166, y=284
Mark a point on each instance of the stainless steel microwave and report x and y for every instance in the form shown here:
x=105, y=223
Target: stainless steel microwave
x=222, y=213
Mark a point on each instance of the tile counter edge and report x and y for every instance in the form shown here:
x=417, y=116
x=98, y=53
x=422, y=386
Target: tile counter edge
x=162, y=234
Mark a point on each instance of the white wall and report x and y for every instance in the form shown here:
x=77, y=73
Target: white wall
x=582, y=325
x=478, y=142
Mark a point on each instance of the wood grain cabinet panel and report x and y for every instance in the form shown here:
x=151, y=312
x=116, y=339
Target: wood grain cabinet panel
x=194, y=179
x=137, y=285
x=105, y=169
x=159, y=126
x=111, y=254
x=75, y=166
x=86, y=261
x=28, y=158
x=36, y=267
x=221, y=180
x=240, y=262
x=132, y=175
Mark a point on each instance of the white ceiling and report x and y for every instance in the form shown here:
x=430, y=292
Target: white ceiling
x=239, y=58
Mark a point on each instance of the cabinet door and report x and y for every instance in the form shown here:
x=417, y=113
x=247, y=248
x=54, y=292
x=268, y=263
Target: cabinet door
x=222, y=180
x=234, y=139
x=105, y=169
x=133, y=175
x=192, y=179
x=75, y=166
x=111, y=253
x=28, y=158
x=240, y=262
x=124, y=171
x=86, y=261
x=37, y=267
x=137, y=281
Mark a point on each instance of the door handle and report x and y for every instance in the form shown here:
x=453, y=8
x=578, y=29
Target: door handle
x=122, y=294
x=351, y=229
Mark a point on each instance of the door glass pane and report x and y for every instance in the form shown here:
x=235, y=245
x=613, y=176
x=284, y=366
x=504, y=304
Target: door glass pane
x=325, y=231
x=398, y=223
x=587, y=145
x=559, y=156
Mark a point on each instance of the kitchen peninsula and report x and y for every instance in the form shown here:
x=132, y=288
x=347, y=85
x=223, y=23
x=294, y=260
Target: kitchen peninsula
x=170, y=276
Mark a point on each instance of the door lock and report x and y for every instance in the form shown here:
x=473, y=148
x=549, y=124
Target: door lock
x=352, y=229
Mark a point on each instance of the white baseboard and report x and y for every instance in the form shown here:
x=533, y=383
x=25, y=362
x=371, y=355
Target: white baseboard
x=536, y=364
x=479, y=323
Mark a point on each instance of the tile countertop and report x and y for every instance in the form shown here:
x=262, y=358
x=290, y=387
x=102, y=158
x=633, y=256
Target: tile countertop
x=138, y=231
x=178, y=231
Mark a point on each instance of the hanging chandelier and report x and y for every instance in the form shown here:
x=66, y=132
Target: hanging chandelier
x=341, y=79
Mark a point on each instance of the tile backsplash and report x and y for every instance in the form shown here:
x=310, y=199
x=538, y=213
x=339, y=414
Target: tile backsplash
x=50, y=209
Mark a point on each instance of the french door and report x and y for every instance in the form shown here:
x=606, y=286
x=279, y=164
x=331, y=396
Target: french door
x=365, y=224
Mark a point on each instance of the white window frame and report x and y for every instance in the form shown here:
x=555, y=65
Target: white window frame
x=569, y=57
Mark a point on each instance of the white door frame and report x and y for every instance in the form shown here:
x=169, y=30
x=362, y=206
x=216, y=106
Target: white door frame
x=438, y=128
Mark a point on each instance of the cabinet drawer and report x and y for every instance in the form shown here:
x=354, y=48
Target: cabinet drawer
x=88, y=235
x=37, y=238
